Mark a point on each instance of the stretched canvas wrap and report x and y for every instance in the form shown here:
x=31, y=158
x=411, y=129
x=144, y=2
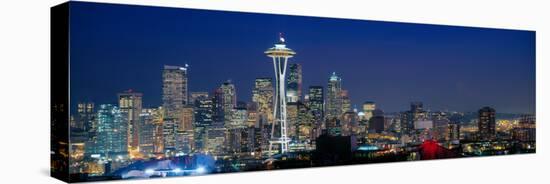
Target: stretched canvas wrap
x=147, y=92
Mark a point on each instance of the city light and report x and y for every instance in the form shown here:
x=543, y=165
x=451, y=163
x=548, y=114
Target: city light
x=149, y=171
x=200, y=170
x=281, y=125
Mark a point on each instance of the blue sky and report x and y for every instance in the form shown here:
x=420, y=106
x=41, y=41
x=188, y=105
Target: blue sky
x=119, y=47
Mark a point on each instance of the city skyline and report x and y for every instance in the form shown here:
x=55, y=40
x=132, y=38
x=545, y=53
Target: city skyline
x=150, y=96
x=478, y=74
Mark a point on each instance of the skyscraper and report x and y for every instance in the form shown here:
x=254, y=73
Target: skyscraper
x=174, y=89
x=376, y=123
x=147, y=132
x=239, y=117
x=112, y=134
x=417, y=106
x=194, y=95
x=262, y=96
x=486, y=123
x=214, y=139
x=334, y=97
x=185, y=133
x=368, y=108
x=158, y=136
x=229, y=100
x=218, y=113
x=85, y=116
x=130, y=106
x=294, y=83
x=526, y=129
x=316, y=101
x=237, y=128
x=203, y=111
x=350, y=123
x=346, y=101
x=174, y=97
x=408, y=118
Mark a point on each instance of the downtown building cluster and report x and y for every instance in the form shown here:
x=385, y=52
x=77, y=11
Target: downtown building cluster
x=107, y=137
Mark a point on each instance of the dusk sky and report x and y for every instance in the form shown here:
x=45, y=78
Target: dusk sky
x=117, y=47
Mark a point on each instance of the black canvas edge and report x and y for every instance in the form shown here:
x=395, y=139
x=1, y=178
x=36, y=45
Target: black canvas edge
x=59, y=89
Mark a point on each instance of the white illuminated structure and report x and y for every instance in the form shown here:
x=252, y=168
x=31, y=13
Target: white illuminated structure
x=280, y=54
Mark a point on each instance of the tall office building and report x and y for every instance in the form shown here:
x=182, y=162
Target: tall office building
x=237, y=127
x=306, y=126
x=158, y=136
x=239, y=117
x=376, y=123
x=218, y=113
x=147, y=132
x=316, y=102
x=486, y=124
x=229, y=100
x=85, y=116
x=414, y=115
x=85, y=126
x=130, y=104
x=417, y=106
x=526, y=129
x=187, y=115
x=112, y=134
x=368, y=108
x=350, y=123
x=185, y=133
x=174, y=98
x=292, y=119
x=194, y=95
x=174, y=89
x=334, y=101
x=214, y=139
x=294, y=83
x=203, y=116
x=346, y=101
x=169, y=135
x=262, y=96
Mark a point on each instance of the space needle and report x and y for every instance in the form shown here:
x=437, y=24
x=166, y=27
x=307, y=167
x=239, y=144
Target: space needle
x=280, y=54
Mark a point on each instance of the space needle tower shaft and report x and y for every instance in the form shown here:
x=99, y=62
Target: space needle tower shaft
x=280, y=55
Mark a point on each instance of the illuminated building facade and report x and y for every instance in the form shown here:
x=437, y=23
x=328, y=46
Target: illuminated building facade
x=486, y=124
x=334, y=101
x=349, y=122
x=112, y=131
x=376, y=123
x=130, y=104
x=228, y=100
x=526, y=129
x=216, y=139
x=174, y=88
x=85, y=116
x=185, y=132
x=316, y=101
x=174, y=98
x=412, y=117
x=194, y=95
x=294, y=83
x=346, y=102
x=368, y=108
x=262, y=96
x=147, y=132
x=203, y=116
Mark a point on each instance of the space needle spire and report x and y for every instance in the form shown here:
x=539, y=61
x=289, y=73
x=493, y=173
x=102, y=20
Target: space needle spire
x=279, y=54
